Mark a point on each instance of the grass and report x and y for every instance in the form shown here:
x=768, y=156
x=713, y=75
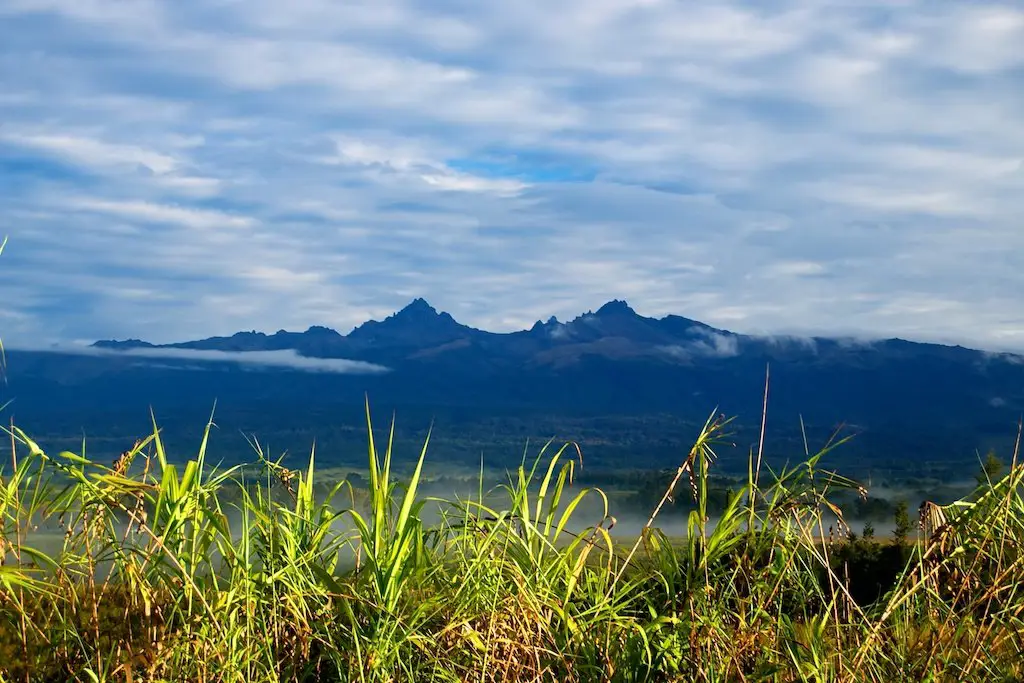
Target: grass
x=168, y=572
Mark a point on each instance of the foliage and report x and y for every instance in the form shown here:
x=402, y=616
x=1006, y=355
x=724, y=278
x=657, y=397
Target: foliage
x=162, y=571
x=991, y=468
x=901, y=520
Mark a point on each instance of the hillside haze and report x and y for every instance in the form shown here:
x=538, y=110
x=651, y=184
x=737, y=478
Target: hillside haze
x=588, y=376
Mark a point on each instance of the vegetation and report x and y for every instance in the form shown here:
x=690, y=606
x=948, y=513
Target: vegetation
x=991, y=468
x=194, y=572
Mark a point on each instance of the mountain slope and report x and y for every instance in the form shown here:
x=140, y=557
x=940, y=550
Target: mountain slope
x=420, y=332
x=907, y=400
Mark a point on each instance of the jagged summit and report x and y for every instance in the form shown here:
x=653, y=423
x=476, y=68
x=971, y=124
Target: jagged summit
x=615, y=307
x=418, y=306
x=317, y=329
x=418, y=323
x=550, y=327
x=417, y=311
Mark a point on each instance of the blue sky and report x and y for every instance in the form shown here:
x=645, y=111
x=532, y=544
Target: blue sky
x=172, y=169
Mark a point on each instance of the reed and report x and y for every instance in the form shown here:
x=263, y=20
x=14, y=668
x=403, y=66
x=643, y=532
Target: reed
x=176, y=569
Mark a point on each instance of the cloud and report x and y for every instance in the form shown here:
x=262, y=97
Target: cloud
x=708, y=345
x=714, y=344
x=147, y=212
x=96, y=153
x=558, y=331
x=172, y=170
x=285, y=358
x=407, y=161
x=783, y=341
x=796, y=269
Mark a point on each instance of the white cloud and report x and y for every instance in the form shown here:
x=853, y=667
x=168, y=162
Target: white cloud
x=90, y=152
x=463, y=182
x=162, y=213
x=783, y=341
x=193, y=169
x=796, y=269
x=981, y=38
x=715, y=346
x=286, y=358
x=192, y=185
x=410, y=160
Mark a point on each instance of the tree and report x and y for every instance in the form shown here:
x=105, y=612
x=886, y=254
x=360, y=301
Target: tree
x=902, y=527
x=869, y=531
x=991, y=469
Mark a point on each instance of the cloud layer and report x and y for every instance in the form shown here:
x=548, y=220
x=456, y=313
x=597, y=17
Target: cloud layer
x=172, y=169
x=194, y=358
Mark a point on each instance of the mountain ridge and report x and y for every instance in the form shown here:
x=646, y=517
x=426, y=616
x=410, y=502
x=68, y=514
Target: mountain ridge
x=415, y=317
x=615, y=329
x=420, y=334
x=605, y=362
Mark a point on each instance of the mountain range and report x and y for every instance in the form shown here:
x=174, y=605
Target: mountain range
x=608, y=362
x=418, y=334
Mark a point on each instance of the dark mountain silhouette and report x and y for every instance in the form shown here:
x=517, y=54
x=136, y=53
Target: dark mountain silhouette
x=901, y=395
x=419, y=332
x=417, y=325
x=420, y=335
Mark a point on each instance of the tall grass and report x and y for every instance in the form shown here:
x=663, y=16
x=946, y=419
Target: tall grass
x=192, y=572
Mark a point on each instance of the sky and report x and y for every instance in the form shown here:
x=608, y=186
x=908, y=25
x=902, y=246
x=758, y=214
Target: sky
x=176, y=169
